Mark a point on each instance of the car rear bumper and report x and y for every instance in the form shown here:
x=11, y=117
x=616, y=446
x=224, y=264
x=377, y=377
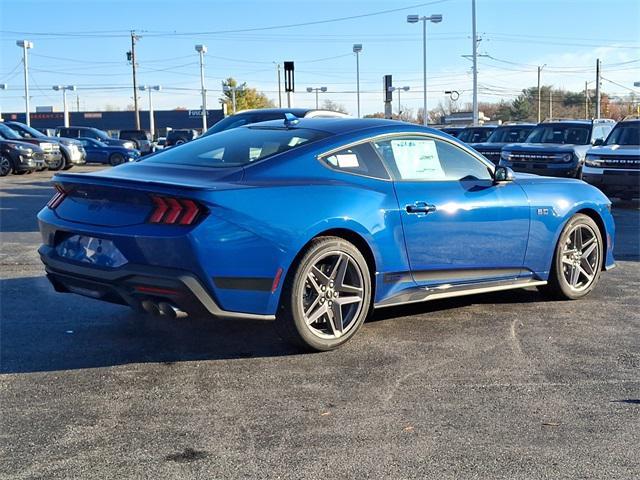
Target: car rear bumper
x=132, y=284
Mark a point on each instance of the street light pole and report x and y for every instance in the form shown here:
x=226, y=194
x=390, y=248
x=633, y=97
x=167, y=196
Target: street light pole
x=202, y=49
x=416, y=19
x=3, y=86
x=476, y=114
x=357, y=48
x=64, y=89
x=26, y=45
x=279, y=87
x=316, y=89
x=540, y=93
x=152, y=123
x=233, y=90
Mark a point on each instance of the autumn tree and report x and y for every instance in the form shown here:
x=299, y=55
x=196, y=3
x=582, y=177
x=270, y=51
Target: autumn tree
x=333, y=106
x=246, y=97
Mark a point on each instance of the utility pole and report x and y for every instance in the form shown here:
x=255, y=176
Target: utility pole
x=77, y=103
x=202, y=49
x=3, y=86
x=149, y=88
x=586, y=100
x=597, y=88
x=279, y=88
x=475, y=63
x=26, y=45
x=132, y=57
x=550, y=103
x=540, y=94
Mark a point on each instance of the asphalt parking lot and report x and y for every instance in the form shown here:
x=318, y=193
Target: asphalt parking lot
x=507, y=385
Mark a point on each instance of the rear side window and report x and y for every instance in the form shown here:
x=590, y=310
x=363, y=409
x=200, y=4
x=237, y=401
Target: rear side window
x=237, y=147
x=360, y=159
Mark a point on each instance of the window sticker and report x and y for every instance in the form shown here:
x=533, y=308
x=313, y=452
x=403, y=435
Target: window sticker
x=347, y=160
x=417, y=159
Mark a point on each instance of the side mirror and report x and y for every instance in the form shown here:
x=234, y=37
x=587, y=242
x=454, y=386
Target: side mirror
x=598, y=141
x=503, y=174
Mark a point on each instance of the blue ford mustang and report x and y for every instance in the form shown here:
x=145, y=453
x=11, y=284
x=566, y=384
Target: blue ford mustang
x=100, y=152
x=315, y=222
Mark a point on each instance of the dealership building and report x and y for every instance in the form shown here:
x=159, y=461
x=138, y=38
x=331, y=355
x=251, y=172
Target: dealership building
x=114, y=121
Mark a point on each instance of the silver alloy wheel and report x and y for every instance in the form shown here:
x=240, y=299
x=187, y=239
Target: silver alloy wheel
x=5, y=166
x=332, y=295
x=580, y=257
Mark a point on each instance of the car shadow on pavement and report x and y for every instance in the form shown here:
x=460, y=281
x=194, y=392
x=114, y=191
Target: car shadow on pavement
x=67, y=332
x=41, y=331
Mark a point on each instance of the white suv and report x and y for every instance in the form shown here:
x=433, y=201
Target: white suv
x=614, y=167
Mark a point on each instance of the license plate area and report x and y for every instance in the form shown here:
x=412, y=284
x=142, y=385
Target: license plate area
x=90, y=250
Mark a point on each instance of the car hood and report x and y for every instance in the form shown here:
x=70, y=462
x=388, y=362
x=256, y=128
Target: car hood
x=620, y=150
x=33, y=146
x=490, y=145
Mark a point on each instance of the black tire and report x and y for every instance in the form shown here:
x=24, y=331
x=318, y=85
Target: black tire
x=59, y=164
x=579, y=173
x=6, y=166
x=298, y=293
x=21, y=172
x=116, y=159
x=559, y=286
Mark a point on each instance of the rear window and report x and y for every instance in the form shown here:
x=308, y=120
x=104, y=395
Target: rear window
x=133, y=135
x=237, y=147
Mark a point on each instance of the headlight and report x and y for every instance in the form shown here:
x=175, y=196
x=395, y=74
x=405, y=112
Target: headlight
x=505, y=155
x=567, y=157
x=129, y=145
x=593, y=161
x=23, y=149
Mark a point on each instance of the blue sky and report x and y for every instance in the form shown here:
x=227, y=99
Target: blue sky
x=86, y=41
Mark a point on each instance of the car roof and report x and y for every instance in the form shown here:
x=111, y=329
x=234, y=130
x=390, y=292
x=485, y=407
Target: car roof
x=298, y=112
x=341, y=125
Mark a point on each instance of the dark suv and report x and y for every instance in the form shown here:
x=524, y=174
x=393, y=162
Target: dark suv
x=477, y=134
x=95, y=133
x=501, y=136
x=71, y=151
x=556, y=148
x=19, y=157
x=178, y=137
x=614, y=167
x=140, y=137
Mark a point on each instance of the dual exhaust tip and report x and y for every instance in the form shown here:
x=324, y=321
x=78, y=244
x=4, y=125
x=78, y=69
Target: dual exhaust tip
x=162, y=309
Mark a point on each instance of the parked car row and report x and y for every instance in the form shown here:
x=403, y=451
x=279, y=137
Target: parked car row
x=598, y=151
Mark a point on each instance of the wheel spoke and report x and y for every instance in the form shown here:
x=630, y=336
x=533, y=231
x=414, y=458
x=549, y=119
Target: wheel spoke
x=348, y=300
x=577, y=239
x=585, y=273
x=340, y=270
x=320, y=276
x=314, y=283
x=349, y=289
x=588, y=242
x=589, y=250
x=336, y=319
x=312, y=306
x=315, y=316
x=586, y=267
x=575, y=276
x=566, y=259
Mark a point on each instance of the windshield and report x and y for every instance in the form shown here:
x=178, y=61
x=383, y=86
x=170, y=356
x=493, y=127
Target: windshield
x=237, y=147
x=227, y=123
x=563, y=134
x=510, y=134
x=625, y=134
x=6, y=132
x=133, y=135
x=475, y=135
x=27, y=131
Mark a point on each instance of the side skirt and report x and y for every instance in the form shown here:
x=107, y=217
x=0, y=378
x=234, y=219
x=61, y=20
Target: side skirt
x=423, y=294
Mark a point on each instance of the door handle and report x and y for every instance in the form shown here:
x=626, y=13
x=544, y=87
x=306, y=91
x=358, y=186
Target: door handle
x=420, y=207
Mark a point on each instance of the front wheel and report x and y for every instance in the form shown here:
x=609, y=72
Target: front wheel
x=5, y=166
x=577, y=259
x=326, y=297
x=116, y=159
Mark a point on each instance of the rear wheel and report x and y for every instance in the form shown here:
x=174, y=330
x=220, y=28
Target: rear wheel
x=5, y=166
x=58, y=164
x=116, y=159
x=326, y=297
x=577, y=259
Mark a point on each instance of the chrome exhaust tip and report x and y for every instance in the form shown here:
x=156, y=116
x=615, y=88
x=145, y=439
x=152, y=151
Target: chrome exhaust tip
x=171, y=311
x=150, y=307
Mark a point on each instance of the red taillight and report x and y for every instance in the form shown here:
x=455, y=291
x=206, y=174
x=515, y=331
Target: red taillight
x=57, y=198
x=171, y=211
